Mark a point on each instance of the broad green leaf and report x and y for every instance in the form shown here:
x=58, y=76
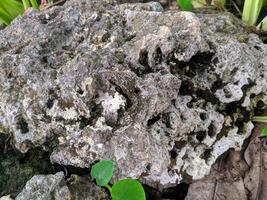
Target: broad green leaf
x=264, y=131
x=185, y=5
x=263, y=24
x=102, y=172
x=251, y=11
x=128, y=189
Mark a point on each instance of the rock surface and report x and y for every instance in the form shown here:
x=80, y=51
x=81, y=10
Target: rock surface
x=163, y=94
x=45, y=187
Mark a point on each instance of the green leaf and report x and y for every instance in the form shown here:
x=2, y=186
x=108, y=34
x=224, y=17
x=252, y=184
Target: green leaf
x=5, y=18
x=26, y=4
x=264, y=131
x=185, y=5
x=102, y=172
x=34, y=4
x=263, y=24
x=128, y=189
x=12, y=7
x=251, y=11
x=260, y=119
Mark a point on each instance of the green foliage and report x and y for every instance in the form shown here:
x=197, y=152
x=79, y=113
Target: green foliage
x=102, y=172
x=262, y=119
x=251, y=11
x=264, y=131
x=185, y=5
x=10, y=9
x=263, y=24
x=126, y=189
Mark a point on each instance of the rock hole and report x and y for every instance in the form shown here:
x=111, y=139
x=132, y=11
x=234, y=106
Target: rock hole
x=211, y=132
x=178, y=192
x=128, y=100
x=148, y=166
x=79, y=90
x=143, y=58
x=50, y=103
x=201, y=135
x=190, y=104
x=158, y=56
x=187, y=87
x=22, y=125
x=207, y=95
x=153, y=120
x=207, y=154
x=203, y=116
x=85, y=122
x=173, y=153
x=180, y=144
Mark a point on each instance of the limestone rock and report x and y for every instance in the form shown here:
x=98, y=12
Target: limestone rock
x=163, y=94
x=45, y=187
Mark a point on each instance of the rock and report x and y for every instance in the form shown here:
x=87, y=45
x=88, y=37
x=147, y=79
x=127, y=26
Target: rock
x=45, y=187
x=5, y=198
x=83, y=188
x=163, y=94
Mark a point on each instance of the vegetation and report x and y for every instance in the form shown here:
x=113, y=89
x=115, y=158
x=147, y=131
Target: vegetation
x=125, y=189
x=262, y=119
x=10, y=9
x=250, y=14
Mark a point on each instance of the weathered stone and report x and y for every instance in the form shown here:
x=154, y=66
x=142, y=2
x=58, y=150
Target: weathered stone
x=83, y=188
x=163, y=94
x=45, y=187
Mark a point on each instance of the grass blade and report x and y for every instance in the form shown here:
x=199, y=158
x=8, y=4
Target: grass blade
x=251, y=11
x=12, y=7
x=26, y=4
x=5, y=18
x=34, y=4
x=260, y=119
x=263, y=24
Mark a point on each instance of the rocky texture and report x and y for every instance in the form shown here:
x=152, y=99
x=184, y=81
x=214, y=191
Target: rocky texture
x=163, y=94
x=236, y=175
x=45, y=187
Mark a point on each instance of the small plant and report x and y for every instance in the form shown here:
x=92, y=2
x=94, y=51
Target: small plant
x=10, y=9
x=125, y=189
x=251, y=11
x=262, y=119
x=185, y=5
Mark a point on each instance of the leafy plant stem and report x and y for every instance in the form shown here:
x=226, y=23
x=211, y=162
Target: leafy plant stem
x=26, y=4
x=260, y=119
x=108, y=187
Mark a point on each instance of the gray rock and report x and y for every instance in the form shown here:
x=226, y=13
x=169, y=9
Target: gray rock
x=163, y=94
x=45, y=187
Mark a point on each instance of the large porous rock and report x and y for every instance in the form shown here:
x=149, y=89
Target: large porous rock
x=163, y=94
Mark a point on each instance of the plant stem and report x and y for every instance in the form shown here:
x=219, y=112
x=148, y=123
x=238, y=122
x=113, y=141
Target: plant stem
x=109, y=188
x=34, y=4
x=260, y=119
x=26, y=4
